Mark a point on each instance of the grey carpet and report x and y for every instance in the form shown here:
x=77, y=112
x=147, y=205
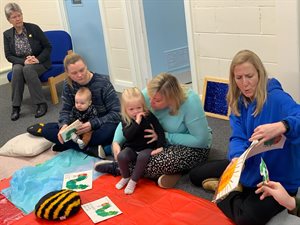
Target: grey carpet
x=10, y=129
x=221, y=132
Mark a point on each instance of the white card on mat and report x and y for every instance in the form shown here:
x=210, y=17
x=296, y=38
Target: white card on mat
x=101, y=209
x=78, y=181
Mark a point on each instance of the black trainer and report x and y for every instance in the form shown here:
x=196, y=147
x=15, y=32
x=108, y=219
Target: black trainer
x=108, y=166
x=58, y=148
x=96, y=151
x=36, y=129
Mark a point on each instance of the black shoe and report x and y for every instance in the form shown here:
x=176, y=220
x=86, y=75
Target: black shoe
x=58, y=148
x=41, y=110
x=15, y=113
x=96, y=151
x=108, y=166
x=36, y=129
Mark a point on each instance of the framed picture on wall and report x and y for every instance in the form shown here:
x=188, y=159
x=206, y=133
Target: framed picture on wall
x=214, y=97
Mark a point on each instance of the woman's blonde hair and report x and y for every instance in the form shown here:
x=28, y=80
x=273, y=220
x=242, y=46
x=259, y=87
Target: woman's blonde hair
x=234, y=92
x=72, y=59
x=129, y=95
x=168, y=86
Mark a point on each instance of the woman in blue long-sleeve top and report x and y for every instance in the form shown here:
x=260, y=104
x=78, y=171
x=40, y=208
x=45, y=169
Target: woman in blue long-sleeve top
x=261, y=110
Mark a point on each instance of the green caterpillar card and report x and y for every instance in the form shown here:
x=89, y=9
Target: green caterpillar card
x=78, y=181
x=101, y=209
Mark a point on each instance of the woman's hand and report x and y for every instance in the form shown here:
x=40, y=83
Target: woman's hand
x=116, y=148
x=152, y=134
x=268, y=131
x=59, y=134
x=84, y=128
x=27, y=61
x=156, y=151
x=278, y=192
x=31, y=60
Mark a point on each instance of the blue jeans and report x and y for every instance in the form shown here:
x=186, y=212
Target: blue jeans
x=102, y=136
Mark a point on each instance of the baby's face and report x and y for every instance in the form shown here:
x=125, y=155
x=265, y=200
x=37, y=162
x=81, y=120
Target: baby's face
x=82, y=102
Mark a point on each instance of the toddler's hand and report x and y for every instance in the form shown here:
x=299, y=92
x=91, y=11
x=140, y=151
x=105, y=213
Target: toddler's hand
x=139, y=117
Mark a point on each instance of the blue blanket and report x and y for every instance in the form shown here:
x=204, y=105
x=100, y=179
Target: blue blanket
x=29, y=184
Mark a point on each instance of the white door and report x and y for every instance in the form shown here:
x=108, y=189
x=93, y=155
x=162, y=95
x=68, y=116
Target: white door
x=126, y=43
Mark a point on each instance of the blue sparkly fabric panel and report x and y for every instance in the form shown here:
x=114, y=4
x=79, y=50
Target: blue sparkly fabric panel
x=215, y=99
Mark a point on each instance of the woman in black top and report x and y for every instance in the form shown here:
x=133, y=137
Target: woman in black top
x=28, y=49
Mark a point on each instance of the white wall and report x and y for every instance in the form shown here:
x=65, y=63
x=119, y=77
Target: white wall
x=219, y=29
x=47, y=14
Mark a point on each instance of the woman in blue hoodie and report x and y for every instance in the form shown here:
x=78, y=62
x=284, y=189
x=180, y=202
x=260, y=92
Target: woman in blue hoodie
x=261, y=110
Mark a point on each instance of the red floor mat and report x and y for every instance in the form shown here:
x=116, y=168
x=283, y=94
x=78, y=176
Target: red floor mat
x=149, y=205
x=8, y=212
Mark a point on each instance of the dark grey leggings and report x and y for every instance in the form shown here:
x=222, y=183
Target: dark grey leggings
x=173, y=159
x=128, y=156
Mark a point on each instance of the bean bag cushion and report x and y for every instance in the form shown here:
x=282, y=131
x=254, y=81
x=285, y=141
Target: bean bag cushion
x=58, y=205
x=25, y=145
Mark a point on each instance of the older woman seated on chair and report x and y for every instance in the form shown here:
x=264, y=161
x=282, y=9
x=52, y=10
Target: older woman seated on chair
x=28, y=49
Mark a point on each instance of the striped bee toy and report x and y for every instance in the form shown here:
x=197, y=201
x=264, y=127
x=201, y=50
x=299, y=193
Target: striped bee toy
x=58, y=205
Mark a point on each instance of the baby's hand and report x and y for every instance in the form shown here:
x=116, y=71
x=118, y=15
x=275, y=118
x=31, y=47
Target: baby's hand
x=156, y=151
